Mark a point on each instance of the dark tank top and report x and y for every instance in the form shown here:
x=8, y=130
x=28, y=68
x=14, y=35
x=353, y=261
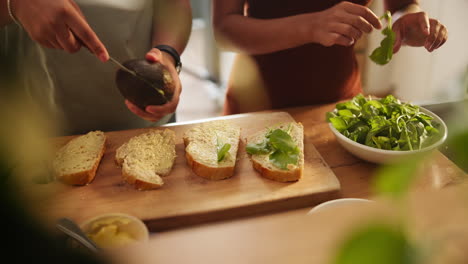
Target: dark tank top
x=309, y=74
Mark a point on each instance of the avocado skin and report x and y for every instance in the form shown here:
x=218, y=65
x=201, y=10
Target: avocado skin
x=138, y=91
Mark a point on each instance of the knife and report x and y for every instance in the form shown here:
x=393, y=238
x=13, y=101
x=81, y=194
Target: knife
x=116, y=62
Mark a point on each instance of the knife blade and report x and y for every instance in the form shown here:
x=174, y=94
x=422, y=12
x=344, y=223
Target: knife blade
x=116, y=62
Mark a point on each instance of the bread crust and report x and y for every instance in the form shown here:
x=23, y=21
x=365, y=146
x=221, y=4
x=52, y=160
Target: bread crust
x=85, y=177
x=277, y=175
x=210, y=173
x=140, y=184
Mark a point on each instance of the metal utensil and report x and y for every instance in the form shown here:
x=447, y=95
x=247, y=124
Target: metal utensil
x=116, y=62
x=70, y=228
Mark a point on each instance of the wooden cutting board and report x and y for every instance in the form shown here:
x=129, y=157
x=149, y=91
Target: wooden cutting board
x=187, y=199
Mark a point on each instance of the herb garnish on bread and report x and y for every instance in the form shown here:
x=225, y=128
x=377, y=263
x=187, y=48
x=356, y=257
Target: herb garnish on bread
x=77, y=161
x=278, y=152
x=211, y=149
x=147, y=157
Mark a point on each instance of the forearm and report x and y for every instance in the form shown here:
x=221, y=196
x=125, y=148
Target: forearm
x=259, y=36
x=404, y=6
x=172, y=23
x=4, y=16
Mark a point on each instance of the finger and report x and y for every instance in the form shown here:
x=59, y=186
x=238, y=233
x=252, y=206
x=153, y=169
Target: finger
x=83, y=31
x=398, y=40
x=424, y=23
x=444, y=37
x=67, y=40
x=364, y=12
x=338, y=39
x=439, y=39
x=347, y=31
x=435, y=28
x=357, y=22
x=137, y=111
x=154, y=55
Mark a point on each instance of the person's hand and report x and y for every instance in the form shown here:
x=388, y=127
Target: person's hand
x=342, y=24
x=417, y=30
x=58, y=24
x=154, y=113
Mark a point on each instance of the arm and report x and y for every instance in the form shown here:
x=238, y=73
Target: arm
x=342, y=25
x=172, y=26
x=414, y=27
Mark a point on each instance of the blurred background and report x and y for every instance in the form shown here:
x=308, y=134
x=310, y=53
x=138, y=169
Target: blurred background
x=438, y=80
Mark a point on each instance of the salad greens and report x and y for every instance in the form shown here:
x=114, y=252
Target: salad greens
x=384, y=123
x=383, y=54
x=223, y=149
x=281, y=147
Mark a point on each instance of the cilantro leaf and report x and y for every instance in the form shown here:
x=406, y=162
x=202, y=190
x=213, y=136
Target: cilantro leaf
x=383, y=54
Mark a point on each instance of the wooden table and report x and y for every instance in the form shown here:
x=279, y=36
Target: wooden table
x=284, y=237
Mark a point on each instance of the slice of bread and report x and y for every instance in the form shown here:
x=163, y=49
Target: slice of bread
x=147, y=157
x=262, y=162
x=76, y=162
x=201, y=149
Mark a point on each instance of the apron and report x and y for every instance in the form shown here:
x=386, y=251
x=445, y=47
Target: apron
x=77, y=88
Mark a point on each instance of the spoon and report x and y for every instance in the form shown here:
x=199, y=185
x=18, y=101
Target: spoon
x=70, y=228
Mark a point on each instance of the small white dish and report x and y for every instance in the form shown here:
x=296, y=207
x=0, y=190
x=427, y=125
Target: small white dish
x=343, y=202
x=115, y=230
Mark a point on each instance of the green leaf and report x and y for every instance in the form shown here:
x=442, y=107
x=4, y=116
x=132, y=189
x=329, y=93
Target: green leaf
x=395, y=179
x=345, y=112
x=259, y=149
x=376, y=243
x=383, y=54
x=338, y=123
x=280, y=140
x=281, y=159
x=223, y=151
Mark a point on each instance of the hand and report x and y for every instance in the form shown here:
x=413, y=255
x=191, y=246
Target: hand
x=58, y=24
x=154, y=113
x=343, y=24
x=417, y=30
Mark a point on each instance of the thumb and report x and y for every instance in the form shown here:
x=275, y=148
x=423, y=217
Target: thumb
x=397, y=45
x=154, y=55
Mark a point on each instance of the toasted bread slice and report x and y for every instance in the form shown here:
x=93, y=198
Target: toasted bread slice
x=76, y=162
x=201, y=149
x=263, y=164
x=147, y=157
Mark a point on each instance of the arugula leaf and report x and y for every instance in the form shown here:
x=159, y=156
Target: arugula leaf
x=383, y=54
x=281, y=147
x=259, y=149
x=281, y=159
x=384, y=123
x=223, y=151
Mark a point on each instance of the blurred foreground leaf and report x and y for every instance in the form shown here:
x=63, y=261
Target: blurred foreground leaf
x=458, y=144
x=395, y=179
x=377, y=243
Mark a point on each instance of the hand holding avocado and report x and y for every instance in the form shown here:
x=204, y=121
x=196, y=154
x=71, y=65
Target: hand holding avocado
x=161, y=102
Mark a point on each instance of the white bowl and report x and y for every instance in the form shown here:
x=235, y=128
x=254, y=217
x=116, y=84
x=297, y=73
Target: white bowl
x=382, y=156
x=129, y=226
x=343, y=202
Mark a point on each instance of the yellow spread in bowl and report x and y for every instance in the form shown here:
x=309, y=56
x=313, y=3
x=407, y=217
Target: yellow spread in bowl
x=110, y=232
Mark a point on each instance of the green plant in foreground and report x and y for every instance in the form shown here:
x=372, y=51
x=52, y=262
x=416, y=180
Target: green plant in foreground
x=383, y=54
x=281, y=147
x=384, y=123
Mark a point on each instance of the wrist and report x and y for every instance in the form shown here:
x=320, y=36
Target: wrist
x=306, y=26
x=167, y=50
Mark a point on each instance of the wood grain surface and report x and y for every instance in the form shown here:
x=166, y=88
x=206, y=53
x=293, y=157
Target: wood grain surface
x=186, y=199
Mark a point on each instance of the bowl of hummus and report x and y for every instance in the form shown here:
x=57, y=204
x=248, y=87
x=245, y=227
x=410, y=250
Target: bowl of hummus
x=115, y=230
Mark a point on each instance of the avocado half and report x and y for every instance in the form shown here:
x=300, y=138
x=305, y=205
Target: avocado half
x=153, y=84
